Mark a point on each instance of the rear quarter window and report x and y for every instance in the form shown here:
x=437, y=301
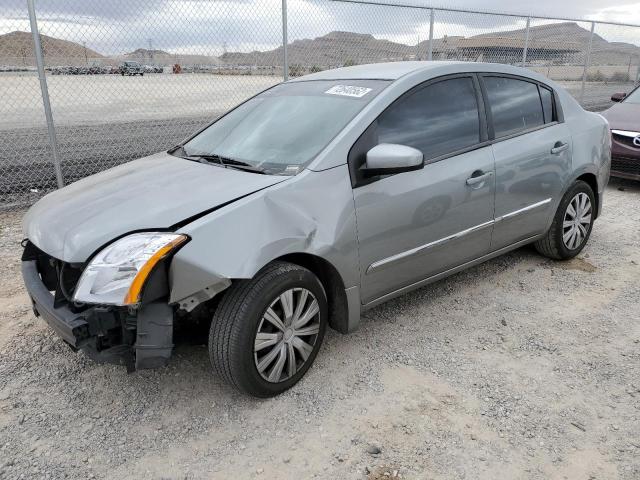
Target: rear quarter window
x=546, y=96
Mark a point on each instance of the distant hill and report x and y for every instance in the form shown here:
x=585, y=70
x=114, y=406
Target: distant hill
x=145, y=53
x=550, y=32
x=332, y=49
x=162, y=57
x=344, y=48
x=17, y=48
x=602, y=51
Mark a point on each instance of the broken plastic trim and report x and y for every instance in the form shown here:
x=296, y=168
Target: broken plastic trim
x=189, y=303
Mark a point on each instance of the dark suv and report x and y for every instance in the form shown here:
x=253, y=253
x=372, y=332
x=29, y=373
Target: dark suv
x=624, y=120
x=131, y=68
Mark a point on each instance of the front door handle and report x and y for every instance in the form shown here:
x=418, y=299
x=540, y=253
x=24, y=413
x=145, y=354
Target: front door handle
x=478, y=177
x=559, y=147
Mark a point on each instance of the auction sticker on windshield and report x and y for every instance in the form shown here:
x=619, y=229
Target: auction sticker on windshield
x=348, y=91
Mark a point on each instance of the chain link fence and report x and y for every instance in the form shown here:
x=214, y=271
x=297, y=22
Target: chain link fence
x=86, y=85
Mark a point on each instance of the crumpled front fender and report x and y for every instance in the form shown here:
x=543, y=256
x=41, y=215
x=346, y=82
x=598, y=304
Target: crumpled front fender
x=312, y=213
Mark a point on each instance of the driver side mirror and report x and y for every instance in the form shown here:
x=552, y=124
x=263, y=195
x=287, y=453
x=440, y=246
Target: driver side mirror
x=618, y=97
x=390, y=158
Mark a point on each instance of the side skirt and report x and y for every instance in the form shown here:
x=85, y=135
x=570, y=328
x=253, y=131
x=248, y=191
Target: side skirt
x=447, y=273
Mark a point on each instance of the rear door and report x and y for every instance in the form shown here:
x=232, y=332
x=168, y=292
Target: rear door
x=416, y=224
x=532, y=151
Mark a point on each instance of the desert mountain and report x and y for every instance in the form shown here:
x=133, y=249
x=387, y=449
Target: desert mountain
x=19, y=46
x=602, y=51
x=333, y=49
x=145, y=53
x=337, y=48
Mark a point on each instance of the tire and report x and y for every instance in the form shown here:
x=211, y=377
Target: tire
x=245, y=311
x=554, y=244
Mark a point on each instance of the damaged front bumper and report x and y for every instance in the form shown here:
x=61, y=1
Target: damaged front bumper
x=137, y=338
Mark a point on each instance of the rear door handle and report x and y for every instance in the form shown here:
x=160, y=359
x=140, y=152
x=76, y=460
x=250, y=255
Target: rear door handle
x=478, y=177
x=559, y=147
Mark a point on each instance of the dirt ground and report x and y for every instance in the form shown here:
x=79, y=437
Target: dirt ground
x=521, y=368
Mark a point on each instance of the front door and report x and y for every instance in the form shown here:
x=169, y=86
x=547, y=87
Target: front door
x=416, y=224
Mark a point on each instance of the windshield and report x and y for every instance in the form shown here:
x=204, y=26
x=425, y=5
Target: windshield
x=633, y=97
x=283, y=129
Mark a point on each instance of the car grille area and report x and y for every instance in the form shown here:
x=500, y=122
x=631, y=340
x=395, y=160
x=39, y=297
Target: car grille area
x=59, y=277
x=625, y=140
x=626, y=165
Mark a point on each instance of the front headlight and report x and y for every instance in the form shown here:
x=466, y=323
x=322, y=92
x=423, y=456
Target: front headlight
x=116, y=275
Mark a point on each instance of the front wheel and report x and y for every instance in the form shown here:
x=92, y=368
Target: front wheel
x=571, y=225
x=266, y=332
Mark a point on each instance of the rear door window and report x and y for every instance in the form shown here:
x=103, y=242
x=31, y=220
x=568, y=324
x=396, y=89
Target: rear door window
x=515, y=105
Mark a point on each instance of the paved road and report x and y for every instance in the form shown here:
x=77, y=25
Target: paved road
x=90, y=146
x=25, y=154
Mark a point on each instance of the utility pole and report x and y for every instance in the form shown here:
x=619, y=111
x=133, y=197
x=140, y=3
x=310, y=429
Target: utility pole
x=430, y=51
x=526, y=43
x=37, y=51
x=587, y=62
x=285, y=42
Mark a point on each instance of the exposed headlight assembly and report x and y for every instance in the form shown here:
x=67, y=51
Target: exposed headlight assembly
x=117, y=274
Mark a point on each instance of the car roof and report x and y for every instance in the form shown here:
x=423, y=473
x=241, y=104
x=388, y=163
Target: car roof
x=396, y=70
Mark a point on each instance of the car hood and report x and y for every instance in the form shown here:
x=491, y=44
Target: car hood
x=155, y=192
x=623, y=116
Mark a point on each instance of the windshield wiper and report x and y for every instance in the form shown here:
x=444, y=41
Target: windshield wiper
x=228, y=162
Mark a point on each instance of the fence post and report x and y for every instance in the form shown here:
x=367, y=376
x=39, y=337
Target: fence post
x=587, y=62
x=285, y=59
x=37, y=50
x=526, y=43
x=430, y=51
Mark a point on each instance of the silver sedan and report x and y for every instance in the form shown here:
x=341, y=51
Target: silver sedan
x=314, y=200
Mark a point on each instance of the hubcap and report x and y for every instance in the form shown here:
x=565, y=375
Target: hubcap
x=577, y=220
x=287, y=334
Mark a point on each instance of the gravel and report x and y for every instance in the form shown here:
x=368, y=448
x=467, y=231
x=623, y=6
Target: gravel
x=519, y=368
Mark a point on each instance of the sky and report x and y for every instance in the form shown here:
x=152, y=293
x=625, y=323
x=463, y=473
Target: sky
x=210, y=27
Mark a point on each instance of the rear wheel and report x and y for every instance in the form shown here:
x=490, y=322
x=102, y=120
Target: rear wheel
x=266, y=332
x=571, y=225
